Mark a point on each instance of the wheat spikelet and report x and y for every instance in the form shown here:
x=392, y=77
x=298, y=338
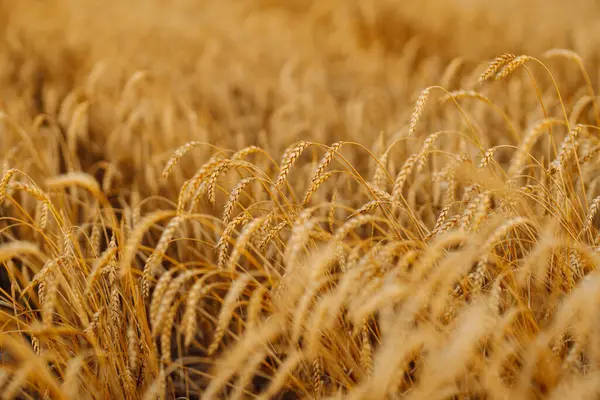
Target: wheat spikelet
x=242, y=241
x=233, y=199
x=416, y=114
x=67, y=244
x=271, y=234
x=468, y=213
x=138, y=233
x=487, y=157
x=403, y=176
x=50, y=299
x=469, y=191
x=230, y=302
x=379, y=178
x=223, y=242
x=32, y=190
x=263, y=230
x=95, y=238
x=315, y=184
x=427, y=145
x=590, y=155
x=245, y=152
x=189, y=323
x=442, y=217
x=365, y=208
x=482, y=210
x=288, y=161
x=464, y=94
x=165, y=336
x=184, y=195
x=178, y=155
x=351, y=224
x=366, y=351
x=317, y=377
x=495, y=65
x=220, y=168
x=591, y=213
x=115, y=297
x=41, y=215
x=325, y=161
x=133, y=347
x=192, y=187
x=511, y=66
x=575, y=263
x=159, y=290
x=159, y=251
x=567, y=148
x=93, y=323
x=162, y=304
x=446, y=226
x=300, y=234
x=525, y=147
x=35, y=343
x=5, y=181
x=331, y=213
x=108, y=256
x=379, y=194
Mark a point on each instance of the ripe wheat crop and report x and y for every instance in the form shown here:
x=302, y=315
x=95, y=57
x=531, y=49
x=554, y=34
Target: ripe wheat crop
x=299, y=199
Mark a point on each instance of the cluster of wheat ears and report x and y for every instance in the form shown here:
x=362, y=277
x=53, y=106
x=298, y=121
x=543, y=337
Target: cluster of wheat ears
x=453, y=256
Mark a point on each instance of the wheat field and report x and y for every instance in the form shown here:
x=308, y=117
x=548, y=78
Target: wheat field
x=276, y=199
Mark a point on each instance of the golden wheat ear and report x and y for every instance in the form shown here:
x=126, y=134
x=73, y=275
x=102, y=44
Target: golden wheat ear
x=418, y=110
x=495, y=65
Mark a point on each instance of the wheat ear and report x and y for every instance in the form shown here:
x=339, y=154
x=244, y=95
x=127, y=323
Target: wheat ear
x=229, y=304
x=233, y=199
x=178, y=155
x=418, y=110
x=495, y=65
x=288, y=161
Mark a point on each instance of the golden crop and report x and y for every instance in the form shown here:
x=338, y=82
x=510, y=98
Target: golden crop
x=299, y=199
